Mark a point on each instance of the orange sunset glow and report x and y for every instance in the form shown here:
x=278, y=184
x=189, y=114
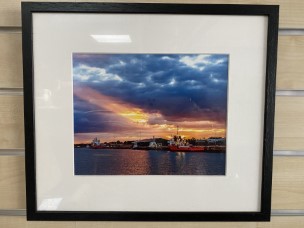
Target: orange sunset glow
x=137, y=119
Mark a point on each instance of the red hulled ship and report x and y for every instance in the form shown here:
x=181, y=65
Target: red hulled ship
x=177, y=144
x=95, y=144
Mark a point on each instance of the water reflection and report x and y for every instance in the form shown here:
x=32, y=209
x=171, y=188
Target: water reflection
x=142, y=162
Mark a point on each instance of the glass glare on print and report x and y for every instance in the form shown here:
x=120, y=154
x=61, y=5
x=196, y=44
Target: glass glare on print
x=150, y=114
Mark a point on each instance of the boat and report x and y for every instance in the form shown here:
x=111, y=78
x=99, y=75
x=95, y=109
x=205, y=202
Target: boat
x=190, y=148
x=95, y=144
x=151, y=144
x=177, y=144
x=145, y=144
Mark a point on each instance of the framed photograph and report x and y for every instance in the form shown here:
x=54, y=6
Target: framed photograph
x=149, y=112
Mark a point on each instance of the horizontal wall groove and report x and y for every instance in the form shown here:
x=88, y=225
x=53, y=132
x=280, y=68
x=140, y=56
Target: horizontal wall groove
x=22, y=212
x=291, y=32
x=11, y=91
x=282, y=212
x=282, y=31
x=288, y=153
x=290, y=93
x=21, y=152
x=16, y=29
x=12, y=152
x=15, y=212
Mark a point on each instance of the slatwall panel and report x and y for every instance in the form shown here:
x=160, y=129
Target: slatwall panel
x=288, y=177
x=12, y=182
x=10, y=60
x=11, y=122
x=289, y=123
x=277, y=222
x=290, y=62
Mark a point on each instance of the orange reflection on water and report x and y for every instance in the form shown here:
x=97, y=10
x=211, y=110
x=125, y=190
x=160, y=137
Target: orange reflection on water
x=123, y=162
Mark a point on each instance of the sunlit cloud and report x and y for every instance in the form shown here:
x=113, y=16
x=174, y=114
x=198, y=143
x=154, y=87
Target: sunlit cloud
x=133, y=114
x=85, y=73
x=201, y=61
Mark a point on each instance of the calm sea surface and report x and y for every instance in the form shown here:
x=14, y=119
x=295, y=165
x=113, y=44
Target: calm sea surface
x=147, y=162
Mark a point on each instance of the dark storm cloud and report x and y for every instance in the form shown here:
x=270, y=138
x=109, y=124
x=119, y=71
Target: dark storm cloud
x=90, y=118
x=184, y=87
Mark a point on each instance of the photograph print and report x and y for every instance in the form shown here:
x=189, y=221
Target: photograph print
x=150, y=114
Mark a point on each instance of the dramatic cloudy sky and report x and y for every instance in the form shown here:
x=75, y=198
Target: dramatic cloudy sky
x=131, y=96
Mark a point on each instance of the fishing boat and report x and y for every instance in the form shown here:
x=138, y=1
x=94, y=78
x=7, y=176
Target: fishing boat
x=177, y=144
x=95, y=144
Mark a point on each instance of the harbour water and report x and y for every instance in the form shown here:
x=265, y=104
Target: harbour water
x=147, y=162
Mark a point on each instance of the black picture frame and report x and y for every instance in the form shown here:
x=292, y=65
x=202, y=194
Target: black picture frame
x=271, y=11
